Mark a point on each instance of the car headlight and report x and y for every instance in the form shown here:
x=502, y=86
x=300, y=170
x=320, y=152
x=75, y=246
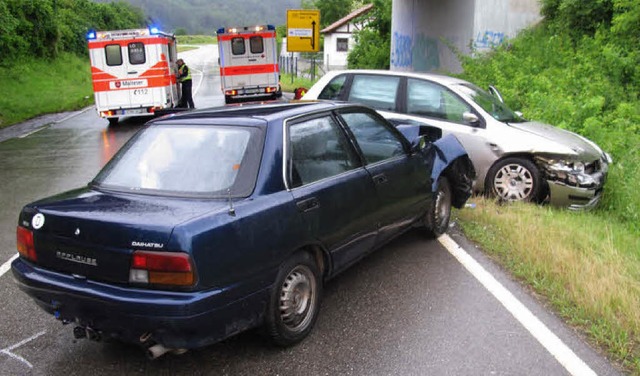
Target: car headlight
x=565, y=166
x=607, y=157
x=572, y=172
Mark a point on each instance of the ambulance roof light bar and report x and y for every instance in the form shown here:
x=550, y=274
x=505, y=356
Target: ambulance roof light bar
x=222, y=30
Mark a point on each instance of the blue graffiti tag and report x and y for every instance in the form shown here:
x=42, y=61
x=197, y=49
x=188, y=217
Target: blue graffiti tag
x=401, y=55
x=488, y=39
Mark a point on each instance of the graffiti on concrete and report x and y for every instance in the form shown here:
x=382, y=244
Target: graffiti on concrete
x=420, y=53
x=401, y=56
x=488, y=39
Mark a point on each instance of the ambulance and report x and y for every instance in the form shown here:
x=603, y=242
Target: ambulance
x=133, y=72
x=248, y=63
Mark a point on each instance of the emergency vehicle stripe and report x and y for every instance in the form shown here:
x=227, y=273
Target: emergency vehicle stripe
x=226, y=37
x=126, y=42
x=156, y=76
x=249, y=69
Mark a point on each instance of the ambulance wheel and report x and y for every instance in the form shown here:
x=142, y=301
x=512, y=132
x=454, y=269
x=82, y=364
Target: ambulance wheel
x=113, y=121
x=228, y=99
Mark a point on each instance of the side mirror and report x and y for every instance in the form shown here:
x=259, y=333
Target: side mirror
x=520, y=114
x=471, y=119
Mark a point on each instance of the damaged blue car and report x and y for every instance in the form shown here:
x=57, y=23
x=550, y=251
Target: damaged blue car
x=212, y=222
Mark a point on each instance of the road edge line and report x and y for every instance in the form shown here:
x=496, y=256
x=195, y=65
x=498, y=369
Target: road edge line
x=551, y=342
x=7, y=265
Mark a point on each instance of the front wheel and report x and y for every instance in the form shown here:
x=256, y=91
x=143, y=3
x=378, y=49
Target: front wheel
x=439, y=210
x=295, y=300
x=514, y=179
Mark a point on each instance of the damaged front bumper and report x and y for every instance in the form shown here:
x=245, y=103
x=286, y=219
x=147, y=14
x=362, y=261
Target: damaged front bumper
x=573, y=184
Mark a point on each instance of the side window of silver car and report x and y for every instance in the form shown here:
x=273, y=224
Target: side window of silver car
x=428, y=99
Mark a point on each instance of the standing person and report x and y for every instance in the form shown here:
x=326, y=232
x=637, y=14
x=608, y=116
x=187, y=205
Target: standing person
x=184, y=77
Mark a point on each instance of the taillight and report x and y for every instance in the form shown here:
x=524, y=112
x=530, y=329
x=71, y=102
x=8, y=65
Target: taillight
x=161, y=268
x=24, y=241
x=231, y=92
x=271, y=89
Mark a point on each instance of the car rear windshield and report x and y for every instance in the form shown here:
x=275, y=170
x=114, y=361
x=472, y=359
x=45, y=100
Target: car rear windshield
x=490, y=104
x=186, y=161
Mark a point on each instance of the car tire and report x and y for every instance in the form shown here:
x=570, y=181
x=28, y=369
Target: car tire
x=514, y=179
x=228, y=99
x=439, y=209
x=113, y=121
x=295, y=300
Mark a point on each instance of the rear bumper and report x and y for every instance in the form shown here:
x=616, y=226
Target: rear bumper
x=173, y=319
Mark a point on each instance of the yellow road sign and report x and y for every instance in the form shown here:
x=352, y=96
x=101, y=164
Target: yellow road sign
x=303, y=30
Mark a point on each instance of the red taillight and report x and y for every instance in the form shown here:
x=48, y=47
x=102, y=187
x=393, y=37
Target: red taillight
x=271, y=89
x=24, y=241
x=231, y=92
x=161, y=268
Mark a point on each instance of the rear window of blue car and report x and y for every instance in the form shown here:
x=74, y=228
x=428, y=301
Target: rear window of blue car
x=187, y=160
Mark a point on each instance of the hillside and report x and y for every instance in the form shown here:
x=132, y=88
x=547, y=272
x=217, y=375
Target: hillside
x=205, y=16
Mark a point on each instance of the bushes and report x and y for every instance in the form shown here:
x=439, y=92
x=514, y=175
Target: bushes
x=588, y=84
x=46, y=28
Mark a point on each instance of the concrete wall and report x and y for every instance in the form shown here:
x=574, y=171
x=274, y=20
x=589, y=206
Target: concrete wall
x=423, y=30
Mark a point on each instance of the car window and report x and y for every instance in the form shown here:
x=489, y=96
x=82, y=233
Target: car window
x=237, y=46
x=376, y=141
x=376, y=91
x=318, y=149
x=489, y=103
x=429, y=99
x=187, y=160
x=334, y=88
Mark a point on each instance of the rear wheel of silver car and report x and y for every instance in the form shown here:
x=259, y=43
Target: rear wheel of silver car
x=439, y=210
x=295, y=300
x=514, y=179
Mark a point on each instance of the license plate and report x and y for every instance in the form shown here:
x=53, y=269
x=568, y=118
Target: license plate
x=134, y=111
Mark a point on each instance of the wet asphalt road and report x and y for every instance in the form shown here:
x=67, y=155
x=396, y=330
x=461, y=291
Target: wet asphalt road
x=409, y=309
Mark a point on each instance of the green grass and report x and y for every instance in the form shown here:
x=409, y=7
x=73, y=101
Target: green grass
x=31, y=88
x=290, y=83
x=196, y=39
x=585, y=264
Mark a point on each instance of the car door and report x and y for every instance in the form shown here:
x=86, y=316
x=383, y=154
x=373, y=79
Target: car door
x=438, y=106
x=401, y=177
x=333, y=192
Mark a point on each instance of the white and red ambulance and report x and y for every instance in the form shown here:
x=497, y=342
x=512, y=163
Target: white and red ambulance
x=248, y=63
x=133, y=72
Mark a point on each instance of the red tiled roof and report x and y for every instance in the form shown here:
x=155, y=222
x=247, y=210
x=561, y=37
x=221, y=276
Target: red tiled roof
x=346, y=19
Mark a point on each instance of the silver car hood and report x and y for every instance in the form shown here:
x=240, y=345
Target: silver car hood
x=585, y=149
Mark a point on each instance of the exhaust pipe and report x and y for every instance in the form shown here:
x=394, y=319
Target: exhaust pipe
x=156, y=351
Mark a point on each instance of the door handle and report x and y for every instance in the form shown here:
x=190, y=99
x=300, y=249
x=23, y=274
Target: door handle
x=132, y=72
x=380, y=179
x=308, y=204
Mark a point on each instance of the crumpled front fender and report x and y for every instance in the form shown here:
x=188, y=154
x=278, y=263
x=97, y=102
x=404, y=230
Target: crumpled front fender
x=452, y=161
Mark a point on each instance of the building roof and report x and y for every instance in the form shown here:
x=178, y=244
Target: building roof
x=347, y=19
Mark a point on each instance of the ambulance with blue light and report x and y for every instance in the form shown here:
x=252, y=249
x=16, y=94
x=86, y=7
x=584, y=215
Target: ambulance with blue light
x=249, y=63
x=133, y=72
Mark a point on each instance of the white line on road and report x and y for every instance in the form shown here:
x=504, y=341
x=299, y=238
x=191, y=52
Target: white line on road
x=569, y=360
x=199, y=83
x=7, y=265
x=7, y=351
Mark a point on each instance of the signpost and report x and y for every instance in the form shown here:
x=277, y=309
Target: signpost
x=303, y=30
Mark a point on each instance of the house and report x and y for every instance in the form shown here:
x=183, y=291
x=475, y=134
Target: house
x=338, y=38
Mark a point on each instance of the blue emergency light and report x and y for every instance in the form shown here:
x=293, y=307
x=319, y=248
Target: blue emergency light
x=154, y=30
x=91, y=35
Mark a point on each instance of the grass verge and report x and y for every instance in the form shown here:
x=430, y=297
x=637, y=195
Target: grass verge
x=289, y=83
x=584, y=264
x=31, y=88
x=196, y=39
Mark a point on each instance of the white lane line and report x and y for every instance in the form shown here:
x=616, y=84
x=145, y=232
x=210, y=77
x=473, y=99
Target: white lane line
x=199, y=83
x=554, y=345
x=7, y=265
x=32, y=132
x=7, y=351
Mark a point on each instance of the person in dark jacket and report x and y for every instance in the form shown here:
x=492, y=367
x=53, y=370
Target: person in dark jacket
x=184, y=77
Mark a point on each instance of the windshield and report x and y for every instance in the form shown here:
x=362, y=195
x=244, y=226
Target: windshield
x=187, y=160
x=489, y=103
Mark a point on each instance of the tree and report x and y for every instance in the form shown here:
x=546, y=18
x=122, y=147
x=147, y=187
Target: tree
x=373, y=43
x=330, y=10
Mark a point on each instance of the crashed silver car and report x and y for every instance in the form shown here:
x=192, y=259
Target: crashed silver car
x=515, y=159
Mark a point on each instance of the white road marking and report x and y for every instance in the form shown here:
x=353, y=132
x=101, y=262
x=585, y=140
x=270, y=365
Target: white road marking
x=199, y=83
x=7, y=265
x=7, y=351
x=32, y=132
x=554, y=345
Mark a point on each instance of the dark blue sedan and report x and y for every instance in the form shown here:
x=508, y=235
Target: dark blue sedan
x=212, y=222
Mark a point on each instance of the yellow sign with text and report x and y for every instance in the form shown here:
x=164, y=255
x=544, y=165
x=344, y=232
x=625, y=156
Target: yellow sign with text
x=303, y=30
